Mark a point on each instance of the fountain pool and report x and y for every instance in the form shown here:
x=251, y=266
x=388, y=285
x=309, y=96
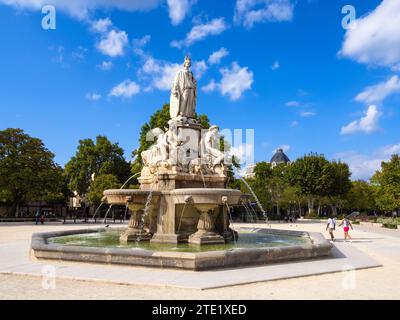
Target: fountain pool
x=248, y=238
x=254, y=247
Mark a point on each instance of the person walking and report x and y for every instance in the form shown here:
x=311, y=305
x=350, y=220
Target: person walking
x=330, y=227
x=346, y=227
x=37, y=216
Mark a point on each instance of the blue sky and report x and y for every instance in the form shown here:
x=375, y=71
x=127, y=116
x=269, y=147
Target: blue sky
x=287, y=69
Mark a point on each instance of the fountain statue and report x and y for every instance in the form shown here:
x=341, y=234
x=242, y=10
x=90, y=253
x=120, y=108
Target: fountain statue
x=184, y=161
x=183, y=93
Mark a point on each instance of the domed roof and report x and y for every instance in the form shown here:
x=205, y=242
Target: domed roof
x=280, y=157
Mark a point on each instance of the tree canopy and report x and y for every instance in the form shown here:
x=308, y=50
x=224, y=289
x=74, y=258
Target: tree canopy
x=361, y=196
x=93, y=159
x=387, y=181
x=100, y=183
x=28, y=170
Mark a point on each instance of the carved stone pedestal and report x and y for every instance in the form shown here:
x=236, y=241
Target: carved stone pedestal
x=135, y=231
x=206, y=227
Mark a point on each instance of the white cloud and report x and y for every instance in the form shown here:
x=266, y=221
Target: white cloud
x=292, y=103
x=199, y=68
x=105, y=65
x=141, y=42
x=160, y=74
x=379, y=92
x=235, y=81
x=125, y=89
x=93, y=96
x=375, y=38
x=113, y=43
x=249, y=12
x=138, y=45
x=367, y=124
x=164, y=79
x=80, y=9
x=276, y=65
x=151, y=65
x=217, y=56
x=364, y=166
x=101, y=25
x=210, y=87
x=307, y=114
x=202, y=31
x=178, y=9
x=294, y=124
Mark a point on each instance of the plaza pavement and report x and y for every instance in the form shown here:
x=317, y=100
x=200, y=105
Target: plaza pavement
x=372, y=248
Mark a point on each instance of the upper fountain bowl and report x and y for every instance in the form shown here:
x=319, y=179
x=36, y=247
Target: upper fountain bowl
x=124, y=196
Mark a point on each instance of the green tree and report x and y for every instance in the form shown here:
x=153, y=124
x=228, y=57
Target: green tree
x=339, y=184
x=102, y=157
x=293, y=199
x=361, y=196
x=387, y=181
x=27, y=170
x=263, y=171
x=100, y=183
x=277, y=185
x=262, y=175
x=312, y=175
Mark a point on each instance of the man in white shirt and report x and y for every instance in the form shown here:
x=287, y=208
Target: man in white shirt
x=331, y=225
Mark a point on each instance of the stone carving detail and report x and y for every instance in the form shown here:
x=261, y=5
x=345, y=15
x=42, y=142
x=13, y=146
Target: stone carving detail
x=211, y=147
x=158, y=152
x=206, y=222
x=136, y=220
x=182, y=148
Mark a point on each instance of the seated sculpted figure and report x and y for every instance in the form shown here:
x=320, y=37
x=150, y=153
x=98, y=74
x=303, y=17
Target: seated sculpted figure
x=158, y=152
x=211, y=147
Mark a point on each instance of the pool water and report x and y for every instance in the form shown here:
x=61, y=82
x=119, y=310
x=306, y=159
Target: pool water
x=247, y=239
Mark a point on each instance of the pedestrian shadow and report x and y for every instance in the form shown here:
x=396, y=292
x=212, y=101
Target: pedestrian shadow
x=358, y=240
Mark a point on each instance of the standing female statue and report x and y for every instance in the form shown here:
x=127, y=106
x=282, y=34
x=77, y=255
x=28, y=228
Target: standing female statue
x=184, y=93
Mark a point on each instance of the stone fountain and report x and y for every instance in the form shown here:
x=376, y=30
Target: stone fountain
x=183, y=195
x=182, y=202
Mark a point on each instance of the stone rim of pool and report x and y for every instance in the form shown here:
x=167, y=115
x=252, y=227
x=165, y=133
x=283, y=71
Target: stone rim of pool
x=318, y=247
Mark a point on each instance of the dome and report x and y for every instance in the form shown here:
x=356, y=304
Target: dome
x=279, y=157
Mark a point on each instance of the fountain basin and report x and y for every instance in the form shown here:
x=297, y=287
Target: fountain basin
x=44, y=247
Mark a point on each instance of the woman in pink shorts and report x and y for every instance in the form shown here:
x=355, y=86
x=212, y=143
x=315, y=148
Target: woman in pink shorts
x=346, y=227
